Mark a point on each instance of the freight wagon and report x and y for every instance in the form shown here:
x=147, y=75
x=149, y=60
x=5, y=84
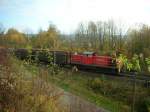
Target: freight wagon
x=89, y=60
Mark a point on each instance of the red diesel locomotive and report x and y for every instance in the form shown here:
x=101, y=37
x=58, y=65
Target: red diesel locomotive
x=92, y=60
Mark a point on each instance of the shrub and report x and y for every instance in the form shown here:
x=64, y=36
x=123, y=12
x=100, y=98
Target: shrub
x=148, y=63
x=21, y=92
x=143, y=105
x=100, y=85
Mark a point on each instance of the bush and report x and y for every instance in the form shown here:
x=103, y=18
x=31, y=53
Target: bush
x=100, y=85
x=122, y=92
x=21, y=91
x=143, y=105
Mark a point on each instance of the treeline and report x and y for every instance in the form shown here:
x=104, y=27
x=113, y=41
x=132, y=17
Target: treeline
x=102, y=37
x=105, y=37
x=44, y=39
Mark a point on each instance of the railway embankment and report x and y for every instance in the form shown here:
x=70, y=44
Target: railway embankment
x=114, y=94
x=29, y=89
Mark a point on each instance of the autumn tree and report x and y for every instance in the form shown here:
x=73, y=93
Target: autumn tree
x=81, y=37
x=2, y=30
x=139, y=40
x=14, y=38
x=49, y=38
x=101, y=36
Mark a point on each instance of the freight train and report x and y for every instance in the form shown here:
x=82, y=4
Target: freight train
x=88, y=60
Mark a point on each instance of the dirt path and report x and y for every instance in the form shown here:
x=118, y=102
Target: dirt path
x=77, y=104
x=74, y=103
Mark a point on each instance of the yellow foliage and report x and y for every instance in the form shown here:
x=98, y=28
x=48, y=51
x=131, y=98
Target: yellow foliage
x=14, y=36
x=48, y=39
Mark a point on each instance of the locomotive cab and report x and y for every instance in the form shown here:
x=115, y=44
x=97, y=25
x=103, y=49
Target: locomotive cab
x=88, y=57
x=89, y=54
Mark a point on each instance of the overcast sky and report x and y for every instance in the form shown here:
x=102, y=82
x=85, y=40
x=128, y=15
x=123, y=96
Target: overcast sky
x=67, y=14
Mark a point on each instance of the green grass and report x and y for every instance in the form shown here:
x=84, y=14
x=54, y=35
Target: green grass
x=118, y=91
x=76, y=83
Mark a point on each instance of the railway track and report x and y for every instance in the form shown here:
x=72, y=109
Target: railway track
x=139, y=79
x=131, y=75
x=136, y=76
